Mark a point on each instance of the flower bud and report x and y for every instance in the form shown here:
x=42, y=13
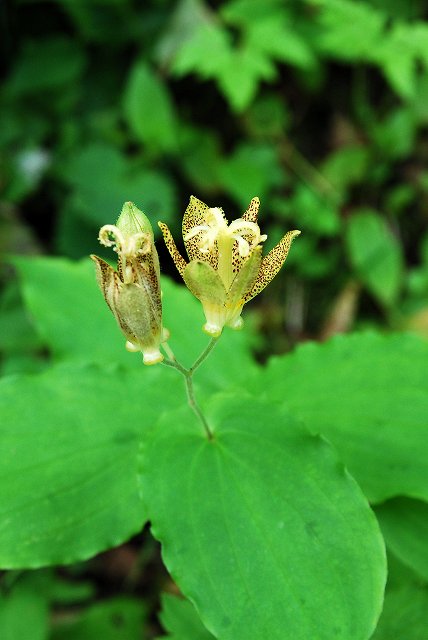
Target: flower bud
x=133, y=291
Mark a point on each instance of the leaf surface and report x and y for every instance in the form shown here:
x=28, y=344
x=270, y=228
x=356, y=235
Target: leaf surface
x=404, y=523
x=261, y=527
x=68, y=469
x=367, y=394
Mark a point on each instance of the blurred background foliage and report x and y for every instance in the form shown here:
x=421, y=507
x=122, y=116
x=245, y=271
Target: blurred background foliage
x=319, y=107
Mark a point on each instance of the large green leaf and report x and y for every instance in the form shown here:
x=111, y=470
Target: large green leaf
x=68, y=465
x=262, y=527
x=70, y=314
x=367, y=394
x=404, y=524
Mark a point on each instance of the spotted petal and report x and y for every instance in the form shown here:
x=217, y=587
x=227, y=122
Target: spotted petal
x=271, y=264
x=252, y=211
x=179, y=261
x=245, y=279
x=195, y=216
x=108, y=281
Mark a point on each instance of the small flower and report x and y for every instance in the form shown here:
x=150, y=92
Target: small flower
x=133, y=291
x=226, y=267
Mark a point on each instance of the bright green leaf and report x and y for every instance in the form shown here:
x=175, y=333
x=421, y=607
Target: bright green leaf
x=367, y=394
x=280, y=41
x=348, y=30
x=206, y=52
x=375, y=255
x=240, y=78
x=261, y=527
x=69, y=443
x=404, y=524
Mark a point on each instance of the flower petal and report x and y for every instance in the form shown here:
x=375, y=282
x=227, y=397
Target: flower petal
x=245, y=279
x=204, y=282
x=196, y=216
x=207, y=286
x=253, y=210
x=179, y=261
x=271, y=264
x=108, y=281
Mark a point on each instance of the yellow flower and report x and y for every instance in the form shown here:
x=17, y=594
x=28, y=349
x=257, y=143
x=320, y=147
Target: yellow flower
x=133, y=291
x=226, y=267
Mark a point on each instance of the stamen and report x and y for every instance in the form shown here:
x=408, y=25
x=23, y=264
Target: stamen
x=128, y=246
x=111, y=236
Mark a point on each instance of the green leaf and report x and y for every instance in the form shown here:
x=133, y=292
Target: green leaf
x=261, y=527
x=348, y=30
x=102, y=178
x=375, y=255
x=72, y=318
x=180, y=619
x=69, y=443
x=251, y=170
x=396, y=55
x=395, y=135
x=239, y=80
x=317, y=213
x=280, y=41
x=367, y=394
x=46, y=64
x=24, y=610
x=148, y=108
x=116, y=619
x=205, y=52
x=347, y=166
x=404, y=615
x=404, y=523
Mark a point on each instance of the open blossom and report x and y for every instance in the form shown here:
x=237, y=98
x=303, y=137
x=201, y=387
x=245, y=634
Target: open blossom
x=133, y=291
x=226, y=267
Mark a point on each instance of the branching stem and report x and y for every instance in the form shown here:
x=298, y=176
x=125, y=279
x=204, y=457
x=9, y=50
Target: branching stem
x=171, y=361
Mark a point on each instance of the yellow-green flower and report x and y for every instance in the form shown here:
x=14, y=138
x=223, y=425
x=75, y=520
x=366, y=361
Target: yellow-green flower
x=226, y=267
x=133, y=291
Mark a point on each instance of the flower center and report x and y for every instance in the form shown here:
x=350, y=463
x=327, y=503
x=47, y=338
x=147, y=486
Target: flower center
x=128, y=246
x=216, y=229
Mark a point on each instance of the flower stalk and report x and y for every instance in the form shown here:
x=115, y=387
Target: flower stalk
x=187, y=374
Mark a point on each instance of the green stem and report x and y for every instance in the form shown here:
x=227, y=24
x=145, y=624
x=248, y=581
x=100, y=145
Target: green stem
x=205, y=353
x=188, y=376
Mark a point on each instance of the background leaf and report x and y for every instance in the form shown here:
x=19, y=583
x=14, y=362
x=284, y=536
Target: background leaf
x=375, y=255
x=367, y=394
x=148, y=108
x=404, y=524
x=179, y=618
